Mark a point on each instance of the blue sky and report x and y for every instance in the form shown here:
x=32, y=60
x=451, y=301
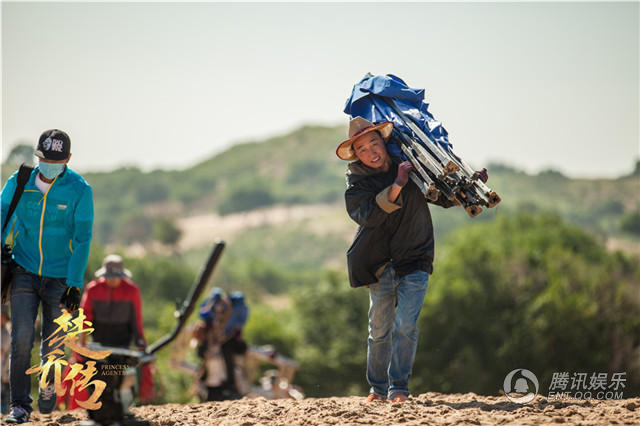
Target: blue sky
x=533, y=85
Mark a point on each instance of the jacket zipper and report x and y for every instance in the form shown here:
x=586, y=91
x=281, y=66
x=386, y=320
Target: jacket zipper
x=44, y=206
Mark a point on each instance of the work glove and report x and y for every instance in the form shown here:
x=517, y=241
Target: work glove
x=403, y=173
x=483, y=175
x=71, y=298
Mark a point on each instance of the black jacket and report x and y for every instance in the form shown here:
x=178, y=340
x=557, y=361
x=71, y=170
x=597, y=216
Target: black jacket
x=400, y=232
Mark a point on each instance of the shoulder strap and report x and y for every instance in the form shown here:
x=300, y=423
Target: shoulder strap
x=24, y=172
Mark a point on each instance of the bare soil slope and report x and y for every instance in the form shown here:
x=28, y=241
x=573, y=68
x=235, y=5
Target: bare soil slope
x=429, y=408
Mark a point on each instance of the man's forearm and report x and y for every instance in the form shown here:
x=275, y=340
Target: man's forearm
x=394, y=192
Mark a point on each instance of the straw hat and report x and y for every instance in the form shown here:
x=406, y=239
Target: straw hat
x=359, y=126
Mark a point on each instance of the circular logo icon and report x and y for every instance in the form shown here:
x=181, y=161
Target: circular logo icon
x=518, y=387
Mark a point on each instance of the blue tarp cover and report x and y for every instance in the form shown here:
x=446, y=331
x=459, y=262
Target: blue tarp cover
x=370, y=99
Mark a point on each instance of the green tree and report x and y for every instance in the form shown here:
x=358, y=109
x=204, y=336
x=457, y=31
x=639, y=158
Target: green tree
x=166, y=231
x=246, y=195
x=526, y=292
x=636, y=169
x=332, y=321
x=266, y=326
x=151, y=191
x=161, y=277
x=631, y=223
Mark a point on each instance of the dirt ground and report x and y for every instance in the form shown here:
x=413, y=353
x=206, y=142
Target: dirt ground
x=429, y=408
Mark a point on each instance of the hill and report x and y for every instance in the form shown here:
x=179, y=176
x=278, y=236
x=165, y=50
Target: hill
x=297, y=168
x=300, y=168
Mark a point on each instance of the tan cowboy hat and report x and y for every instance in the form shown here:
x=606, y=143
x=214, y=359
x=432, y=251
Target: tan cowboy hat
x=358, y=126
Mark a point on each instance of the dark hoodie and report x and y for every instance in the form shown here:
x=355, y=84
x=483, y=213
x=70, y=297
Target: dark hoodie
x=400, y=233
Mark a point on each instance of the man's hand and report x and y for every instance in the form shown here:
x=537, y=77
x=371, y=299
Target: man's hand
x=71, y=299
x=403, y=173
x=483, y=175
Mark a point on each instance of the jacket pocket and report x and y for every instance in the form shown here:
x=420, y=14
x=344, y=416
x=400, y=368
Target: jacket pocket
x=367, y=253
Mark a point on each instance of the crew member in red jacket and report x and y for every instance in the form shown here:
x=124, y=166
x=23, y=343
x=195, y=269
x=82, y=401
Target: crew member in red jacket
x=113, y=305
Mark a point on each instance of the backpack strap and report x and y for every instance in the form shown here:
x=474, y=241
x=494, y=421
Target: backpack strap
x=24, y=172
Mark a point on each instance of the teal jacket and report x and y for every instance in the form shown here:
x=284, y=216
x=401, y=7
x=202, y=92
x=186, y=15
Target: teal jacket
x=51, y=233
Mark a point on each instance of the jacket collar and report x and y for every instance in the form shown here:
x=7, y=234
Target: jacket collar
x=357, y=170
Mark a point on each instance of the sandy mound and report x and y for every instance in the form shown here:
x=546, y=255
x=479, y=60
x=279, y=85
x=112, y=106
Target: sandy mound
x=429, y=408
x=200, y=230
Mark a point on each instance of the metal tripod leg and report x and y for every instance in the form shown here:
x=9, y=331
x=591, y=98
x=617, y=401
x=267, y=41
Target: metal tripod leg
x=448, y=166
x=447, y=158
x=419, y=158
x=421, y=178
x=432, y=192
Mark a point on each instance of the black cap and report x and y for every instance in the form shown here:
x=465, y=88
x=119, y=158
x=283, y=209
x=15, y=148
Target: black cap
x=53, y=145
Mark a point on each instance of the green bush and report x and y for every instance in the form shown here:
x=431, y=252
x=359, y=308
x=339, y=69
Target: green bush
x=166, y=231
x=247, y=195
x=526, y=292
x=151, y=191
x=257, y=276
x=631, y=223
x=266, y=326
x=332, y=322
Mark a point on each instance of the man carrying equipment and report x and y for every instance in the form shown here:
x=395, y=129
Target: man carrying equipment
x=392, y=253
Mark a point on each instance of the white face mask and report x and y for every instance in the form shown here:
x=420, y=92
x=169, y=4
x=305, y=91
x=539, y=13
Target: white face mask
x=50, y=170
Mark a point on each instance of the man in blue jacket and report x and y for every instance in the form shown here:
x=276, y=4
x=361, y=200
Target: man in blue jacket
x=50, y=234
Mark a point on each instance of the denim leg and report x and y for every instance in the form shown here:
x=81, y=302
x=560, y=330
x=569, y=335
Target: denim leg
x=24, y=308
x=51, y=292
x=410, y=292
x=382, y=302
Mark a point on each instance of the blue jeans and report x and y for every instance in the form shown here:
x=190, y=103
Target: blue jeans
x=27, y=291
x=393, y=333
